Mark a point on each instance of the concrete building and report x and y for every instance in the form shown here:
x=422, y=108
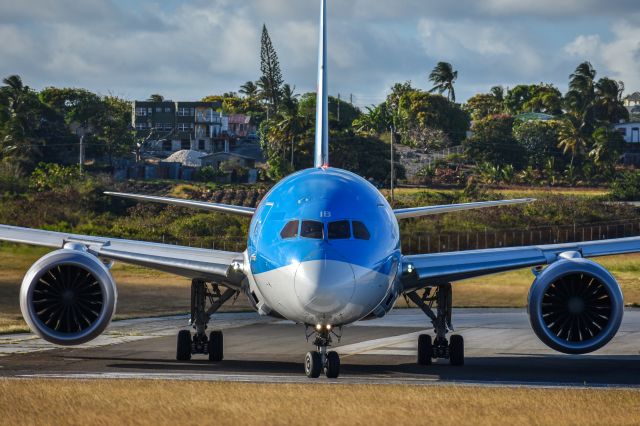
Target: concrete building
x=629, y=131
x=173, y=126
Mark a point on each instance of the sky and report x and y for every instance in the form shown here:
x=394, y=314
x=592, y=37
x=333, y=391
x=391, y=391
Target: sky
x=186, y=50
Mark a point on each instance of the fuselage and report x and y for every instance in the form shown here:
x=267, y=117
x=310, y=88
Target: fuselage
x=324, y=248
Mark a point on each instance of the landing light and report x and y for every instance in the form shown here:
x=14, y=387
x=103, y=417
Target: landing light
x=318, y=327
x=328, y=327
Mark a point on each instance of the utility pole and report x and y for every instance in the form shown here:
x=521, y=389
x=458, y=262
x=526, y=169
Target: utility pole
x=351, y=99
x=392, y=166
x=292, y=153
x=338, y=107
x=81, y=159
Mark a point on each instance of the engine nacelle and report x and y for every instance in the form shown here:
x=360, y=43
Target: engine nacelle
x=68, y=297
x=575, y=305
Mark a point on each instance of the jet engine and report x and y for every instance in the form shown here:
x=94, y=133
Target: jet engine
x=68, y=296
x=575, y=305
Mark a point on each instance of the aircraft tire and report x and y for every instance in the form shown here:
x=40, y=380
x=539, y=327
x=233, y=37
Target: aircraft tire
x=312, y=364
x=332, y=371
x=183, y=349
x=215, y=346
x=425, y=349
x=456, y=350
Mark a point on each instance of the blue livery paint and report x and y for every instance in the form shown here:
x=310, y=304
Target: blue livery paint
x=325, y=195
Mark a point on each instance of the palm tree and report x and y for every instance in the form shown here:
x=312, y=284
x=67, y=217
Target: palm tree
x=289, y=98
x=14, y=93
x=443, y=76
x=571, y=138
x=249, y=90
x=581, y=95
x=608, y=103
x=156, y=98
x=498, y=93
x=291, y=126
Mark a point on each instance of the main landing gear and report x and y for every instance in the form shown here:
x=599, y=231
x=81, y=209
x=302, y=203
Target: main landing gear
x=315, y=362
x=453, y=350
x=200, y=343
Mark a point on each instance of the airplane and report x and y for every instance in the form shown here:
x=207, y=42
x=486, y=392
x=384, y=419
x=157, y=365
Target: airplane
x=323, y=251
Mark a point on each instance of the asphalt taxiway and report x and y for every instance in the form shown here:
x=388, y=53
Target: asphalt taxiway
x=500, y=349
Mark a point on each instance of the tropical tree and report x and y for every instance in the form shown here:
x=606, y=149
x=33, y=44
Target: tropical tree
x=609, y=106
x=376, y=120
x=443, y=77
x=271, y=81
x=483, y=105
x=571, y=138
x=607, y=146
x=289, y=99
x=249, y=90
x=156, y=98
x=580, y=98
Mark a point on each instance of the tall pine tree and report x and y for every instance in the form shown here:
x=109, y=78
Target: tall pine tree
x=271, y=81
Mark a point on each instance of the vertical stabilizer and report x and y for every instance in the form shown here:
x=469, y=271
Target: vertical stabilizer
x=322, y=102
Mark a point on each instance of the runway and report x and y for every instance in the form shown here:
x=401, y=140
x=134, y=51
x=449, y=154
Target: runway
x=500, y=349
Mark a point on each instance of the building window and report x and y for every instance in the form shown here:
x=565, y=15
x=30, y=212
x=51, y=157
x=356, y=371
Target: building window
x=141, y=112
x=159, y=126
x=168, y=126
x=141, y=126
x=185, y=144
x=149, y=110
x=167, y=109
x=201, y=145
x=158, y=109
x=167, y=146
x=185, y=127
x=185, y=112
x=622, y=131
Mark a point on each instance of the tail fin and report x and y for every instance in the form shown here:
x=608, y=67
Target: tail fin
x=322, y=102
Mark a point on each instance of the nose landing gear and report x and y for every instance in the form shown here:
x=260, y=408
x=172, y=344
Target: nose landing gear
x=453, y=350
x=320, y=360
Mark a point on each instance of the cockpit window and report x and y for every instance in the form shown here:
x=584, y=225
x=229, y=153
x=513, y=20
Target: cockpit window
x=360, y=231
x=290, y=230
x=339, y=230
x=312, y=229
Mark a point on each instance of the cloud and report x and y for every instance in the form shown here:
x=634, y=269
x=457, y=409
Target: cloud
x=618, y=58
x=189, y=49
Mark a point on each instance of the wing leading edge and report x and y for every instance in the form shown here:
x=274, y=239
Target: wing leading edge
x=429, y=210
x=203, y=205
x=439, y=268
x=195, y=263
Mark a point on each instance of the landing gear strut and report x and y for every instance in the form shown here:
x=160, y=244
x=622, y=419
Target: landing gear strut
x=453, y=350
x=317, y=361
x=199, y=343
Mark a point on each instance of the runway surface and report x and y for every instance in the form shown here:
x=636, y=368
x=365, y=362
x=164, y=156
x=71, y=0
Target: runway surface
x=500, y=349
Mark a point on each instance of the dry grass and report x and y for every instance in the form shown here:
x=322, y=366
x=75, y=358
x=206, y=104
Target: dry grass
x=159, y=402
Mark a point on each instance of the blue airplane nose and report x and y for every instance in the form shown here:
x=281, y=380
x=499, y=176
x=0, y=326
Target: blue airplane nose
x=323, y=284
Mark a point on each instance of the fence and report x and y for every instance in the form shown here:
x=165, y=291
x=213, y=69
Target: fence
x=418, y=242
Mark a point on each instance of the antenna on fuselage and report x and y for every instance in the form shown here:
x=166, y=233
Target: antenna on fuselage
x=322, y=100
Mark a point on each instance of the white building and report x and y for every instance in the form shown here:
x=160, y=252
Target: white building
x=629, y=131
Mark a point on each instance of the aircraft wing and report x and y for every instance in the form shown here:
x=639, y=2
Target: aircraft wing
x=429, y=210
x=440, y=268
x=212, y=265
x=203, y=205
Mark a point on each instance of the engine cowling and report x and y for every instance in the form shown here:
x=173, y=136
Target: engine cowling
x=575, y=305
x=68, y=297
